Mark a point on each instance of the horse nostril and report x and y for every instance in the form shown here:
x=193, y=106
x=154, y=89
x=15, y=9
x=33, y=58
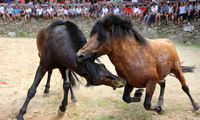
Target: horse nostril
x=80, y=57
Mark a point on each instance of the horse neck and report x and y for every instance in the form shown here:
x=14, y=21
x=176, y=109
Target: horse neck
x=122, y=48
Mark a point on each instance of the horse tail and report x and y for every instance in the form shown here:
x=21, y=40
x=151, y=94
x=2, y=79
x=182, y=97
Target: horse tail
x=74, y=79
x=186, y=69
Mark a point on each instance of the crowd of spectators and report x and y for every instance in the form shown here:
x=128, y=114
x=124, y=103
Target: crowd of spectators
x=141, y=11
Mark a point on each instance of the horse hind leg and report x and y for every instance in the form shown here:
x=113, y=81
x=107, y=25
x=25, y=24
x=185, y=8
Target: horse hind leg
x=66, y=87
x=47, y=86
x=31, y=92
x=73, y=97
x=179, y=75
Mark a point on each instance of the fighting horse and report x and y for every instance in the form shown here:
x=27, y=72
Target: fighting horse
x=57, y=45
x=142, y=62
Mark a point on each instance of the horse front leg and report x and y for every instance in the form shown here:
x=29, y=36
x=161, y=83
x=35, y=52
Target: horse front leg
x=150, y=87
x=127, y=91
x=47, y=86
x=66, y=86
x=162, y=90
x=31, y=92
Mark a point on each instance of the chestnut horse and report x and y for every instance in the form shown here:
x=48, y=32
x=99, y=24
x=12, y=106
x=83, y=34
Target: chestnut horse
x=142, y=62
x=57, y=45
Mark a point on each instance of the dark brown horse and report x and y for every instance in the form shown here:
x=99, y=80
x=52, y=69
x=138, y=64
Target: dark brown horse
x=140, y=61
x=57, y=45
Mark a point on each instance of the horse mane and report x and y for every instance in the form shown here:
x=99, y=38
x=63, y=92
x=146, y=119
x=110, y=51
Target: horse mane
x=117, y=27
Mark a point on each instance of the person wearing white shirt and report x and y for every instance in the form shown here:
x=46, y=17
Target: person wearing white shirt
x=104, y=11
x=2, y=12
x=66, y=12
x=182, y=13
x=134, y=1
x=49, y=12
x=39, y=12
x=27, y=14
x=116, y=10
x=197, y=9
x=78, y=11
x=72, y=11
x=85, y=12
x=154, y=11
x=61, y=11
x=9, y=12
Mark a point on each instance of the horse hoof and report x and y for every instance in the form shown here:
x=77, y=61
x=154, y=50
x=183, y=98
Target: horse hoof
x=46, y=94
x=60, y=113
x=197, y=111
x=74, y=100
x=19, y=117
x=161, y=110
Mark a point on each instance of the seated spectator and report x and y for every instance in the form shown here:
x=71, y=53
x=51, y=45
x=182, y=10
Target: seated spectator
x=128, y=10
x=78, y=11
x=72, y=12
x=16, y=13
x=49, y=13
x=3, y=13
x=110, y=8
x=39, y=12
x=145, y=19
x=9, y=12
x=27, y=13
x=182, y=13
x=170, y=11
x=85, y=13
x=164, y=12
x=92, y=11
x=158, y=15
x=154, y=11
x=21, y=9
x=33, y=11
x=61, y=12
x=104, y=11
x=66, y=13
x=44, y=12
x=197, y=10
x=116, y=10
x=98, y=11
x=190, y=11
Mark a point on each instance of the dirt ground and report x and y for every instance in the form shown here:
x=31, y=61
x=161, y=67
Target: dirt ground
x=18, y=63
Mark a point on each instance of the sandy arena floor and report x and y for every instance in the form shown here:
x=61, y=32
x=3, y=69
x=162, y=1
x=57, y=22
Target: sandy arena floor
x=18, y=63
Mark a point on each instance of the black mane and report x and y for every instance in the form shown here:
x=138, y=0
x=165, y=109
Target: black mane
x=117, y=26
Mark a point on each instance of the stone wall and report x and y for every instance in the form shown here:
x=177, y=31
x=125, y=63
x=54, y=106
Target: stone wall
x=173, y=32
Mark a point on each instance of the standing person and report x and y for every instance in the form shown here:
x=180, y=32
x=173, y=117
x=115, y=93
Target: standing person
x=16, y=13
x=3, y=13
x=182, y=13
x=9, y=12
x=104, y=11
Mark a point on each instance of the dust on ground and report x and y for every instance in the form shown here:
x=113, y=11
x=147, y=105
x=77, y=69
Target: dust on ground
x=19, y=60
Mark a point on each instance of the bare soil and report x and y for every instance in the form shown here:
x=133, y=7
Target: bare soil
x=18, y=63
